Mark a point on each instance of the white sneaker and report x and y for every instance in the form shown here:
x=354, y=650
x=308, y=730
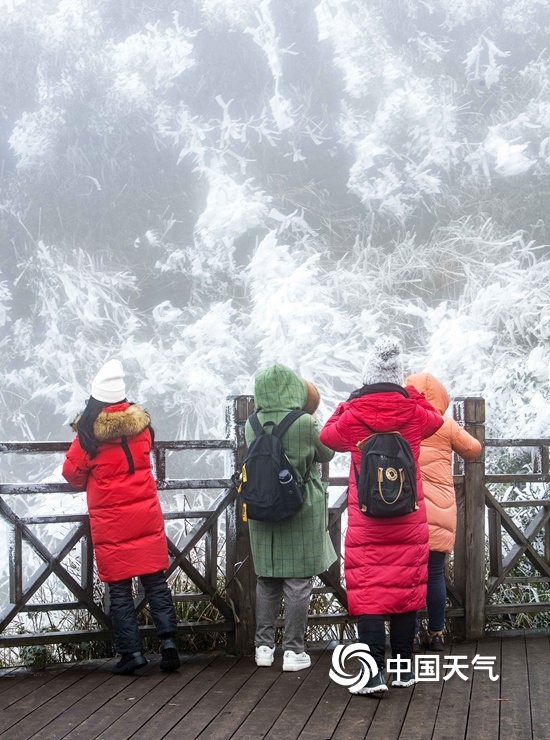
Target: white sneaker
x=295, y=661
x=264, y=656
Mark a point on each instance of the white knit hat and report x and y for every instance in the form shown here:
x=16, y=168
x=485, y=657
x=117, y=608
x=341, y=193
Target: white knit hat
x=384, y=363
x=108, y=385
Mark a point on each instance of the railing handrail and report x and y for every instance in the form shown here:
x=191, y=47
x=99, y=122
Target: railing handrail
x=16, y=447
x=467, y=591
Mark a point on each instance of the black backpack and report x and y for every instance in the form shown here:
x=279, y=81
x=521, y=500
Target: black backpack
x=386, y=482
x=269, y=487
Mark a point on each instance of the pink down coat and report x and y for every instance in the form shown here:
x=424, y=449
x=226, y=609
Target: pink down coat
x=386, y=560
x=436, y=454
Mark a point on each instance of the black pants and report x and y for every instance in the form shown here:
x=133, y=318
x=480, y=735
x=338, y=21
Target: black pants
x=123, y=614
x=371, y=630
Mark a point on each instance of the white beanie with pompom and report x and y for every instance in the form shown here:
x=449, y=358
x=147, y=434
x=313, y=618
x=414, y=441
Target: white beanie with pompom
x=384, y=363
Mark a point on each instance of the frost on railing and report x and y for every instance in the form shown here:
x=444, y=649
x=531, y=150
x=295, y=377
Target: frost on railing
x=54, y=596
x=53, y=593
x=501, y=564
x=517, y=479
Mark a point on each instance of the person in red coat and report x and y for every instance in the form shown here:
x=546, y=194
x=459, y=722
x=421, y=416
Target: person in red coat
x=110, y=458
x=386, y=560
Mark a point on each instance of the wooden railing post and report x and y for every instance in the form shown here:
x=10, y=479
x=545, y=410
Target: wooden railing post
x=241, y=578
x=474, y=523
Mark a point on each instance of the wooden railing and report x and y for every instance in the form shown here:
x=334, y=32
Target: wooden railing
x=479, y=566
x=201, y=525
x=227, y=582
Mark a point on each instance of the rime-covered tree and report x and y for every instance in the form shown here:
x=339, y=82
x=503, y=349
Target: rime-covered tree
x=206, y=187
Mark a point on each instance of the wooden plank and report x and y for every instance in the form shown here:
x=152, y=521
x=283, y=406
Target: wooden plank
x=185, y=699
x=38, y=695
x=515, y=714
x=310, y=686
x=455, y=697
x=525, y=504
x=324, y=720
x=483, y=719
x=357, y=717
x=266, y=712
x=519, y=478
x=460, y=561
x=127, y=693
x=516, y=442
x=45, y=638
x=534, y=608
x=33, y=681
x=538, y=660
x=214, y=703
x=495, y=542
x=10, y=676
x=239, y=568
x=231, y=718
x=509, y=634
x=424, y=705
x=390, y=712
x=219, y=697
x=163, y=693
x=15, y=565
x=75, y=715
x=85, y=679
x=474, y=522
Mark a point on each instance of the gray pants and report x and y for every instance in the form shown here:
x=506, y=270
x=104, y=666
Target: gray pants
x=296, y=593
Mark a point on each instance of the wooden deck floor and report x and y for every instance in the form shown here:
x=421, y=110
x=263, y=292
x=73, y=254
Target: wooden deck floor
x=213, y=697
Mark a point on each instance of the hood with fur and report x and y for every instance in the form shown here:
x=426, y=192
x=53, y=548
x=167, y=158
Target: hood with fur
x=122, y=420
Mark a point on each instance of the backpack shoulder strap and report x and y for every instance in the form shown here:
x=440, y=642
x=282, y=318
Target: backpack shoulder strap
x=283, y=426
x=257, y=428
x=287, y=421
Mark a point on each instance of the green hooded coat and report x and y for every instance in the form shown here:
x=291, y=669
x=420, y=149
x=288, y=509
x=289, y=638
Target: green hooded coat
x=298, y=547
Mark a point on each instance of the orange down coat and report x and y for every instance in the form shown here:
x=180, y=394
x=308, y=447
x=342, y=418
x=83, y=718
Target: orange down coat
x=436, y=464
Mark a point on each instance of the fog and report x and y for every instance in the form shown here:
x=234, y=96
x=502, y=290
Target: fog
x=206, y=187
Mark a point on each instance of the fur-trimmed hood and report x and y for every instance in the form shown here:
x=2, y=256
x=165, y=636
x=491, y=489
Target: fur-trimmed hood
x=122, y=420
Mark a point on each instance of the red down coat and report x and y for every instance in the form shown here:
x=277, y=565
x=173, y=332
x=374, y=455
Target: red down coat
x=386, y=560
x=125, y=515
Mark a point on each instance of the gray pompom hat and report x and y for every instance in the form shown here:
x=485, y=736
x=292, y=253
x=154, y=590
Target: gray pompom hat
x=384, y=363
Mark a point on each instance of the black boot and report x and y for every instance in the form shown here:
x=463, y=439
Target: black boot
x=129, y=663
x=170, y=660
